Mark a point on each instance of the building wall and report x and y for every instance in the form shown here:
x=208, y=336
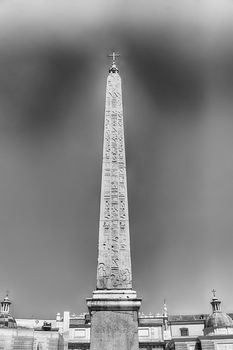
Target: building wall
x=217, y=343
x=33, y=323
x=224, y=345
x=46, y=340
x=13, y=339
x=194, y=329
x=28, y=339
x=147, y=334
x=79, y=335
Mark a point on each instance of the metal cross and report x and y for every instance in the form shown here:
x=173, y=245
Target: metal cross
x=214, y=291
x=114, y=55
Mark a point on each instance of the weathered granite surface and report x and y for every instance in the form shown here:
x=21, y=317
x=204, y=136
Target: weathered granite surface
x=114, y=261
x=114, y=330
x=114, y=305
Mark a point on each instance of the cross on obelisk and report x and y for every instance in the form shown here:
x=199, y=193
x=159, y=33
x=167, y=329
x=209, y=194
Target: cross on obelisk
x=114, y=55
x=114, y=305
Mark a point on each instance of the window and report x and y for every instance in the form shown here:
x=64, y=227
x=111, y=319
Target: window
x=143, y=332
x=184, y=332
x=79, y=333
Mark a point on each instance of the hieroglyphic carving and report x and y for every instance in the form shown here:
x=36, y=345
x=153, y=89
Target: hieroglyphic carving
x=114, y=263
x=122, y=226
x=106, y=226
x=107, y=209
x=121, y=278
x=122, y=209
x=103, y=276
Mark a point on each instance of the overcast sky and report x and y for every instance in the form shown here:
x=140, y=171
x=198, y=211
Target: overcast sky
x=177, y=74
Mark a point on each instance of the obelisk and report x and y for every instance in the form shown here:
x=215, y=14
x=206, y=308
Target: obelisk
x=114, y=305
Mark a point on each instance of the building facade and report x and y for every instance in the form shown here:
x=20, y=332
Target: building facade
x=155, y=332
x=27, y=334
x=170, y=332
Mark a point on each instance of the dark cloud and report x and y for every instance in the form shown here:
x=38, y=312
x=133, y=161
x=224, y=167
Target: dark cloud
x=37, y=90
x=173, y=81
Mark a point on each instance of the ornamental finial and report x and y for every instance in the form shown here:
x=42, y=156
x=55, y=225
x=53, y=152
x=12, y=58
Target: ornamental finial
x=114, y=68
x=215, y=302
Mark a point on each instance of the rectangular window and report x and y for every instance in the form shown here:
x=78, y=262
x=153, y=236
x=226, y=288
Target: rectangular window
x=79, y=333
x=184, y=332
x=143, y=332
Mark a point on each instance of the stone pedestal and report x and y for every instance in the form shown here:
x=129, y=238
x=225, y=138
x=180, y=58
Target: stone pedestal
x=114, y=320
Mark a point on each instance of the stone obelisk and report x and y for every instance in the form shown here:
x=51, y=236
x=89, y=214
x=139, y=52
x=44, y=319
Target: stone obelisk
x=114, y=305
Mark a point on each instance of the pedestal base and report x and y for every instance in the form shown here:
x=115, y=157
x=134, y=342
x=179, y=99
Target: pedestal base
x=114, y=320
